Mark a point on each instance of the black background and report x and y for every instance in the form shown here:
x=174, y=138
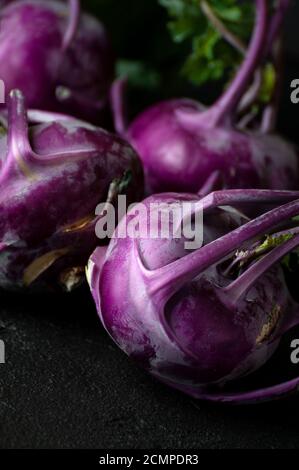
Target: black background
x=66, y=385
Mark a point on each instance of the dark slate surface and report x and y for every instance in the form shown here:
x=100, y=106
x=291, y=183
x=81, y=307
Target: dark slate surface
x=66, y=385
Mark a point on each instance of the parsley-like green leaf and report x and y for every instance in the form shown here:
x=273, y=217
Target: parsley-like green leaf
x=211, y=57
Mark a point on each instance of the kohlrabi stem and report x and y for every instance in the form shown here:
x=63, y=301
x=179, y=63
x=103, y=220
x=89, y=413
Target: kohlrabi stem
x=252, y=93
x=18, y=140
x=171, y=278
x=234, y=197
x=247, y=196
x=247, y=119
x=74, y=17
x=20, y=154
x=18, y=145
x=252, y=254
x=243, y=283
x=117, y=102
x=276, y=23
x=269, y=118
x=231, y=38
x=209, y=186
x=224, y=108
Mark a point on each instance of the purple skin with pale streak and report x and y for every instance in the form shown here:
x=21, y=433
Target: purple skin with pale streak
x=181, y=144
x=65, y=57
x=183, y=315
x=180, y=157
x=52, y=178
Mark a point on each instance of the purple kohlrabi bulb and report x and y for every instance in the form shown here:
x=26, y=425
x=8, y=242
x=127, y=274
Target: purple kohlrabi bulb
x=182, y=145
x=197, y=320
x=180, y=156
x=52, y=178
x=59, y=58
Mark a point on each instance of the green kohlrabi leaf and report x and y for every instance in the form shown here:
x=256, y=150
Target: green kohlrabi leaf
x=211, y=57
x=272, y=241
x=269, y=243
x=268, y=83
